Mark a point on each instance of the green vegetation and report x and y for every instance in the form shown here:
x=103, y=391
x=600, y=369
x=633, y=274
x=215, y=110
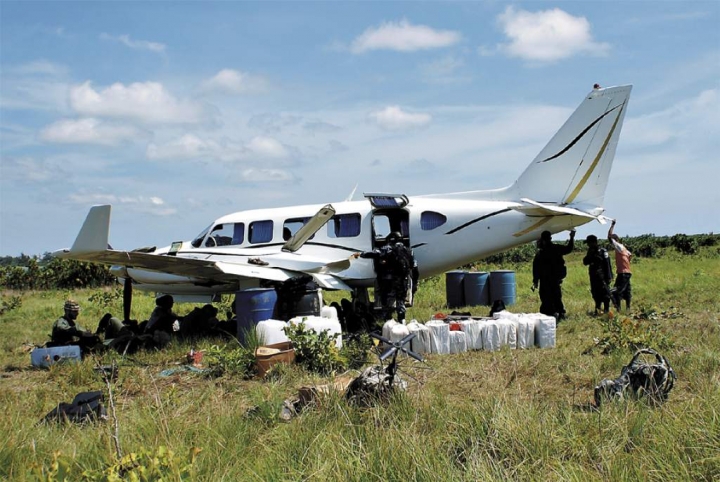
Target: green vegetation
x=506, y=415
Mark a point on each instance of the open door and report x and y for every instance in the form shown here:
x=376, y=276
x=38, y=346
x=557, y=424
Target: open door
x=388, y=215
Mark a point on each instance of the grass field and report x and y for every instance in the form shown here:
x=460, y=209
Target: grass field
x=520, y=415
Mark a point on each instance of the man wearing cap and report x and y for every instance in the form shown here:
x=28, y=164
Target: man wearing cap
x=549, y=270
x=66, y=332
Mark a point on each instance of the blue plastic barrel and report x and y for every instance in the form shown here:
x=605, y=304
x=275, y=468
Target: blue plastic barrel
x=253, y=306
x=477, y=288
x=454, y=292
x=502, y=286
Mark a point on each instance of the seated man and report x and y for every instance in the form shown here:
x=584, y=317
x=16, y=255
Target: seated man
x=162, y=317
x=66, y=332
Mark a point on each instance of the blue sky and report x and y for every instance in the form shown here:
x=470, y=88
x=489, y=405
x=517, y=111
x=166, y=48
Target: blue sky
x=178, y=113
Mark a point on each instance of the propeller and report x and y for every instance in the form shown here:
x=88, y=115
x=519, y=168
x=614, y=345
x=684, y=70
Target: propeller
x=395, y=348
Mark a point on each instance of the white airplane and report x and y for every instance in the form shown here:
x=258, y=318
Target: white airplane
x=563, y=187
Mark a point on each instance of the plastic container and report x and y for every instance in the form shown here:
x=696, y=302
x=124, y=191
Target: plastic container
x=44, y=357
x=454, y=292
x=253, y=306
x=271, y=332
x=319, y=324
x=329, y=312
x=502, y=287
x=476, y=287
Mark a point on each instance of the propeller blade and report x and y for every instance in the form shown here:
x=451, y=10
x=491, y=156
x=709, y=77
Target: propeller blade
x=407, y=339
x=381, y=338
x=127, y=298
x=414, y=355
x=391, y=351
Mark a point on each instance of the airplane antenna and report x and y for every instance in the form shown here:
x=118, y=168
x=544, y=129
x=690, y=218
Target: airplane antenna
x=349, y=198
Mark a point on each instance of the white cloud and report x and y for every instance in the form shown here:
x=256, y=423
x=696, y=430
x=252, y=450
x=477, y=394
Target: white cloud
x=267, y=147
x=443, y=70
x=87, y=131
x=191, y=146
x=136, y=44
x=40, y=67
x=403, y=37
x=230, y=81
x=142, y=101
x=394, y=118
x=266, y=175
x=29, y=169
x=548, y=35
x=143, y=204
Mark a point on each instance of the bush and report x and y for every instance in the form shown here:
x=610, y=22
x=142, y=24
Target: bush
x=641, y=331
x=314, y=351
x=238, y=361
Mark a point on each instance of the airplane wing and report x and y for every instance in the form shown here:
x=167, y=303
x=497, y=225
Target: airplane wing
x=534, y=208
x=91, y=245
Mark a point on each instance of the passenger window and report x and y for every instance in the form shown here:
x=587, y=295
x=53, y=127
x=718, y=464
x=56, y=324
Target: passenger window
x=430, y=220
x=344, y=226
x=292, y=226
x=260, y=232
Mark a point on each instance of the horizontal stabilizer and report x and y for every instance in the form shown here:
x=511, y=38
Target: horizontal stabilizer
x=533, y=208
x=95, y=230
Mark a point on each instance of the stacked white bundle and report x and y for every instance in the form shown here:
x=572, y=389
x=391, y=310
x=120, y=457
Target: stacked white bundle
x=498, y=333
x=271, y=331
x=544, y=330
x=458, y=342
x=473, y=332
x=505, y=315
x=319, y=324
x=422, y=341
x=439, y=337
x=387, y=328
x=398, y=332
x=525, y=326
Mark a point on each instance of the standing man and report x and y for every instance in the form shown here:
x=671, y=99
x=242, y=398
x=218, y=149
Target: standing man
x=600, y=271
x=623, y=290
x=549, y=270
x=393, y=267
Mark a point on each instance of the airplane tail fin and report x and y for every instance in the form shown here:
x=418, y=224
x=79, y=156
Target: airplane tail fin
x=94, y=233
x=574, y=166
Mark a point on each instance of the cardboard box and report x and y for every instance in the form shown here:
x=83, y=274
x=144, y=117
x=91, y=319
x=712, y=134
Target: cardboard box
x=269, y=355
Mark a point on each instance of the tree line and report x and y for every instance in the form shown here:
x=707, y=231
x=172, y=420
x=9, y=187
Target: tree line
x=48, y=272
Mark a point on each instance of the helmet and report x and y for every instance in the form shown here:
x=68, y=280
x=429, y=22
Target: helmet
x=393, y=237
x=72, y=305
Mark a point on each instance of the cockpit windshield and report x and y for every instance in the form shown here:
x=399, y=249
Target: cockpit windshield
x=199, y=238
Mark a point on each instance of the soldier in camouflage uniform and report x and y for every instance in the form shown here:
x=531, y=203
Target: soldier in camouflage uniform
x=393, y=266
x=66, y=332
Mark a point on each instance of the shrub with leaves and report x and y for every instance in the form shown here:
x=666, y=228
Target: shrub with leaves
x=9, y=304
x=314, y=351
x=640, y=331
x=356, y=350
x=230, y=361
x=143, y=466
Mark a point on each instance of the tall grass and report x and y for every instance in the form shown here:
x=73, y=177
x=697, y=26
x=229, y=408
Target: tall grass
x=521, y=415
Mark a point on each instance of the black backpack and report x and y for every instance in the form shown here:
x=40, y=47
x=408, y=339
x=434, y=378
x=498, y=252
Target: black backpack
x=85, y=407
x=403, y=258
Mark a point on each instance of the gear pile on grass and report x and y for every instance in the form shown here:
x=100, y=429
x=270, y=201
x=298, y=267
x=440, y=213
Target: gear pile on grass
x=639, y=378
